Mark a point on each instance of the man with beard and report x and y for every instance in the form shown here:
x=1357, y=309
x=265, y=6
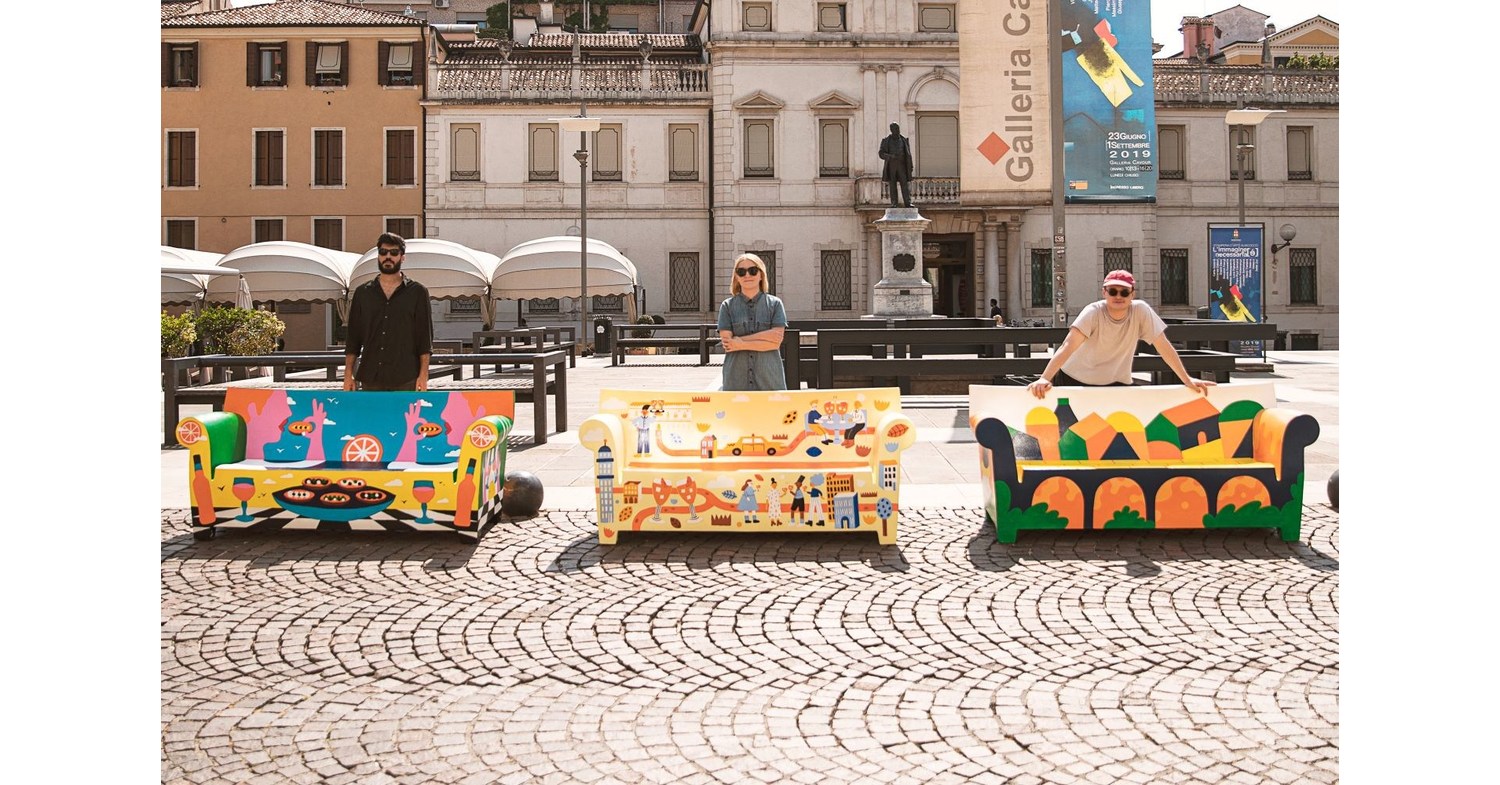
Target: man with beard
x=390, y=326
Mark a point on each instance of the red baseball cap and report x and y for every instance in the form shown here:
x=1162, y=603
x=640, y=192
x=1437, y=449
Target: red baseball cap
x=1120, y=278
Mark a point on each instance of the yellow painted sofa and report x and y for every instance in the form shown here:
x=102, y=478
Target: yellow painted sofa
x=783, y=461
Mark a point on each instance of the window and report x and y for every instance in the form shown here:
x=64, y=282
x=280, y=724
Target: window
x=398, y=64
x=606, y=157
x=268, y=229
x=328, y=157
x=833, y=148
x=182, y=233
x=1242, y=152
x=755, y=17
x=463, y=306
x=683, y=140
x=465, y=147
x=1119, y=259
x=1041, y=278
x=182, y=159
x=402, y=226
x=179, y=65
x=289, y=306
x=608, y=303
x=1174, y=276
x=1304, y=268
x=1299, y=153
x=769, y=257
x=837, y=281
x=327, y=63
x=543, y=166
x=1171, y=163
x=624, y=23
x=400, y=156
x=266, y=65
x=329, y=233
x=831, y=18
x=270, y=166
x=682, y=280
x=759, y=158
x=937, y=145
x=544, y=305
x=936, y=19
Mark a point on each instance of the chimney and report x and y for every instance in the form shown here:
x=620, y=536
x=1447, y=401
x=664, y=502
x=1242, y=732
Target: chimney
x=544, y=14
x=1198, y=30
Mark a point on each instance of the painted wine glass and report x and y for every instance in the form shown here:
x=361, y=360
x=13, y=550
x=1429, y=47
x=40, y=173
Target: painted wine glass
x=244, y=490
x=422, y=491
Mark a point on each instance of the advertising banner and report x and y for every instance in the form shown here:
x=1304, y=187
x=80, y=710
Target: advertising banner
x=1005, y=126
x=1236, y=277
x=1109, y=101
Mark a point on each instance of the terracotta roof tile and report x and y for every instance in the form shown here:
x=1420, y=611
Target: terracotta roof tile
x=293, y=13
x=171, y=8
x=613, y=40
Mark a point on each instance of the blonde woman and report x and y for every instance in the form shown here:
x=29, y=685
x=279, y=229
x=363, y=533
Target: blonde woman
x=751, y=324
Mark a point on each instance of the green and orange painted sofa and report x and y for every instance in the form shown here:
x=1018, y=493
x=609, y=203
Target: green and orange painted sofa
x=776, y=462
x=1142, y=457
x=298, y=458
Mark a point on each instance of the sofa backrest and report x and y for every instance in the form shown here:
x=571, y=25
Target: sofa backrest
x=362, y=426
x=694, y=426
x=1144, y=422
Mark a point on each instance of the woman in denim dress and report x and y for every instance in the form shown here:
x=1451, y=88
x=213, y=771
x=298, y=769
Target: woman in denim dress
x=751, y=324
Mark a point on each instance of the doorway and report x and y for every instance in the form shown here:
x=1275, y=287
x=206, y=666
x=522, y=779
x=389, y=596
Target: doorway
x=948, y=264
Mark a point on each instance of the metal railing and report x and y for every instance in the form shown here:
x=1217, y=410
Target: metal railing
x=554, y=79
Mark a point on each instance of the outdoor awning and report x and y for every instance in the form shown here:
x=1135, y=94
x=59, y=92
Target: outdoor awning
x=552, y=267
x=286, y=270
x=185, y=275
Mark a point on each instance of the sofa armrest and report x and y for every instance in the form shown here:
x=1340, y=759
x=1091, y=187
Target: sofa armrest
x=894, y=432
x=603, y=430
x=1280, y=437
x=994, y=435
x=219, y=437
x=499, y=429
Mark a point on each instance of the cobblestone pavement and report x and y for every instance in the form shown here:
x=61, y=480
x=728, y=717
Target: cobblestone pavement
x=538, y=656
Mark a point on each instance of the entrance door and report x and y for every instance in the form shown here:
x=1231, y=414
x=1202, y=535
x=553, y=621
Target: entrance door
x=948, y=264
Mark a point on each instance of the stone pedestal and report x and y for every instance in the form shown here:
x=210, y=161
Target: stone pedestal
x=902, y=292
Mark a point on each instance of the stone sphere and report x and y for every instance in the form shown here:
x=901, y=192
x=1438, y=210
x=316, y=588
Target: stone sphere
x=522, y=495
x=1333, y=489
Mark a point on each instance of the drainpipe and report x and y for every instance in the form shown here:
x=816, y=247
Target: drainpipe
x=713, y=278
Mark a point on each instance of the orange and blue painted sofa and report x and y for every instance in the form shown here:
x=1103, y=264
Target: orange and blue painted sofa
x=1142, y=457
x=773, y=461
x=289, y=458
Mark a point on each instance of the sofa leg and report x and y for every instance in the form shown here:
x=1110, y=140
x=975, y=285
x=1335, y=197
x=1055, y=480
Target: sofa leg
x=608, y=536
x=205, y=533
x=1006, y=534
x=1293, y=531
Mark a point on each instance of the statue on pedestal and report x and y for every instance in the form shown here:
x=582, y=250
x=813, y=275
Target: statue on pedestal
x=896, y=152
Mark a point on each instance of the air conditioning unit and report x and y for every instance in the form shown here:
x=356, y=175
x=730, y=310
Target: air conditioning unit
x=441, y=3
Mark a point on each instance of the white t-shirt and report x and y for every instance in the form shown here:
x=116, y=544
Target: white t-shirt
x=1106, y=356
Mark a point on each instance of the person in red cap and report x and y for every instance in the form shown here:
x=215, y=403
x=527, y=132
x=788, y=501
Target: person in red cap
x=1101, y=342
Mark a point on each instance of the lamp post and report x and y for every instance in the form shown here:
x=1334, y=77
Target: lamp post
x=1242, y=118
x=584, y=125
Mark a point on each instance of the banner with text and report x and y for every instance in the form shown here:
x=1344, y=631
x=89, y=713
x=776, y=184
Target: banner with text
x=1005, y=126
x=1235, y=277
x=1109, y=101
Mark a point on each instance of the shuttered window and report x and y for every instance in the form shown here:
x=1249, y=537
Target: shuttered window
x=400, y=156
x=182, y=159
x=606, y=157
x=328, y=157
x=329, y=233
x=1170, y=161
x=182, y=233
x=268, y=229
x=759, y=158
x=1299, y=153
x=465, y=147
x=937, y=145
x=265, y=64
x=833, y=148
x=684, y=144
x=327, y=63
x=543, y=145
x=1174, y=276
x=1242, y=152
x=179, y=65
x=404, y=226
x=270, y=148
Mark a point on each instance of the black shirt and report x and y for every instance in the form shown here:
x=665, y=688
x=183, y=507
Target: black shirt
x=389, y=335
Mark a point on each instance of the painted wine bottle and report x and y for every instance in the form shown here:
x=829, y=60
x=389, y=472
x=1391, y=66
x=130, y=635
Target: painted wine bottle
x=465, y=508
x=203, y=493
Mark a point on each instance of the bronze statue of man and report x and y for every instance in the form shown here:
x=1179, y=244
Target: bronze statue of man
x=896, y=153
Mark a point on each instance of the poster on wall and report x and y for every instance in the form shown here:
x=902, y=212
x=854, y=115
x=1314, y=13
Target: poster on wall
x=1109, y=102
x=1235, y=278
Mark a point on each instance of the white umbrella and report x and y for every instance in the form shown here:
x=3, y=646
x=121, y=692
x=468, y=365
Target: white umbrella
x=448, y=270
x=185, y=274
x=286, y=270
x=549, y=267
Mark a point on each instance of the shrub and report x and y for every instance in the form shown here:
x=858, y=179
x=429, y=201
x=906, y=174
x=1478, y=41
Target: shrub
x=640, y=332
x=238, y=331
x=177, y=334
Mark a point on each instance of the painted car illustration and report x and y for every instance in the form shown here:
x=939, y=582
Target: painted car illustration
x=751, y=445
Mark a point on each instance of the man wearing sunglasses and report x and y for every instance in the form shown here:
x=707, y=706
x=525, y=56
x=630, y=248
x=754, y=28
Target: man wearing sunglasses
x=751, y=324
x=390, y=326
x=1101, y=342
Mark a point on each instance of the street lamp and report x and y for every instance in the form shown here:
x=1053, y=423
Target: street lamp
x=1241, y=118
x=584, y=125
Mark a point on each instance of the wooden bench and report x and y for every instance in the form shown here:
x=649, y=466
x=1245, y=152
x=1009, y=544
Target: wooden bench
x=527, y=339
x=1140, y=458
x=708, y=336
x=547, y=375
x=748, y=461
x=298, y=456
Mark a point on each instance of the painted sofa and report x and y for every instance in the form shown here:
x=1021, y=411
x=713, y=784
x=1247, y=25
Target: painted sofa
x=1143, y=457
x=274, y=458
x=782, y=461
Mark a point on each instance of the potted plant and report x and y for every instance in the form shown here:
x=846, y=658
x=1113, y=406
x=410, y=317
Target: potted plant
x=239, y=332
x=177, y=334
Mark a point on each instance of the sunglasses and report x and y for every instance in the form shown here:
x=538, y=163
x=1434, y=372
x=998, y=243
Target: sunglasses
x=1113, y=292
x=746, y=272
x=390, y=252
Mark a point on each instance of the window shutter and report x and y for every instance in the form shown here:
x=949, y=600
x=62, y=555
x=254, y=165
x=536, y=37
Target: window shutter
x=166, y=64
x=382, y=61
x=250, y=64
x=312, y=63
x=195, y=64
x=418, y=64
x=344, y=62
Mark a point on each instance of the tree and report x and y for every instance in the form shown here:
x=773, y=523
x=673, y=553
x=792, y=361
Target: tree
x=598, y=17
x=497, y=22
x=1317, y=62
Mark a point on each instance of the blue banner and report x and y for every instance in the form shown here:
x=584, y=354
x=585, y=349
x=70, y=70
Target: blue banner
x=1109, y=101
x=1235, y=277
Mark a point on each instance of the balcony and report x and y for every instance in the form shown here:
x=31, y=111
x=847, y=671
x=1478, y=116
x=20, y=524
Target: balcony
x=1180, y=83
x=537, y=79
x=924, y=191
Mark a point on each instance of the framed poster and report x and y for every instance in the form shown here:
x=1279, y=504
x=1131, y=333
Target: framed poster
x=1109, y=101
x=1236, y=276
